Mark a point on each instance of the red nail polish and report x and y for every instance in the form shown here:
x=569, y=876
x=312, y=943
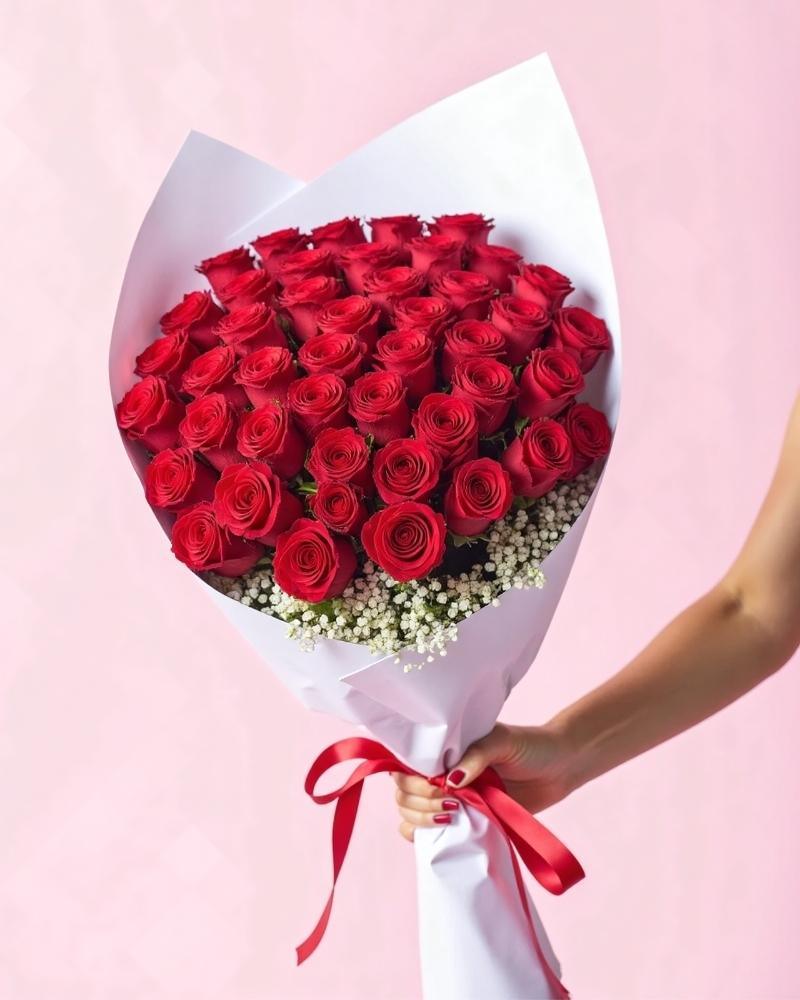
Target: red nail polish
x=449, y=805
x=442, y=819
x=456, y=777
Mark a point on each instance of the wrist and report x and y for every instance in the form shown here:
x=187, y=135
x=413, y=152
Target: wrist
x=568, y=755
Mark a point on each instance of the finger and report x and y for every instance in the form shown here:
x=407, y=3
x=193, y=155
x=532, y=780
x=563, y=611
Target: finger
x=420, y=804
x=492, y=748
x=417, y=818
x=406, y=830
x=413, y=784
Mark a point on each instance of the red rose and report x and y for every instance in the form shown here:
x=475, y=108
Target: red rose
x=387, y=286
x=470, y=227
x=340, y=353
x=470, y=338
x=522, y=323
x=273, y=248
x=248, y=288
x=407, y=540
x=252, y=502
x=410, y=354
x=590, y=435
x=490, y=386
x=200, y=542
x=550, y=380
x=580, y=333
x=223, y=268
x=497, y=263
x=340, y=507
x=352, y=314
x=210, y=428
x=214, y=372
x=340, y=455
x=542, y=284
x=267, y=434
x=266, y=374
x=175, y=480
x=479, y=494
x=538, y=459
x=250, y=328
x=395, y=229
x=357, y=261
x=317, y=402
x=168, y=357
x=310, y=564
x=433, y=255
x=378, y=405
x=306, y=264
x=428, y=313
x=303, y=300
x=449, y=426
x=406, y=469
x=198, y=314
x=149, y=413
x=335, y=236
x=468, y=294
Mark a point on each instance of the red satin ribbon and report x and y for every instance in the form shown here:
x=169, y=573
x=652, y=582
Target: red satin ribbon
x=545, y=857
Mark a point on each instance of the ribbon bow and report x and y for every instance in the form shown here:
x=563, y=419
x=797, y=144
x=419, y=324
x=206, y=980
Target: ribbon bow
x=545, y=857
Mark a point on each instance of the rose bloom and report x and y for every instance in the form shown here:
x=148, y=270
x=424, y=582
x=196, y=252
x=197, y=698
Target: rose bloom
x=549, y=382
x=210, y=428
x=312, y=565
x=543, y=285
x=306, y=264
x=479, y=494
x=497, y=263
x=358, y=260
x=537, y=460
x=248, y=288
x=490, y=386
x=266, y=374
x=340, y=455
x=580, y=333
x=148, y=412
x=303, y=299
x=407, y=540
x=410, y=354
x=468, y=294
x=590, y=435
x=470, y=227
x=268, y=434
x=522, y=323
x=201, y=542
x=424, y=312
x=317, y=402
x=387, y=286
x=352, y=314
x=223, y=268
x=335, y=236
x=406, y=469
x=340, y=507
x=168, y=357
x=395, y=229
x=175, y=480
x=250, y=500
x=470, y=338
x=378, y=405
x=433, y=255
x=197, y=314
x=340, y=353
x=214, y=372
x=250, y=328
x=274, y=247
x=449, y=426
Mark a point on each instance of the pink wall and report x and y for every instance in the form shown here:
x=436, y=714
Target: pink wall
x=154, y=841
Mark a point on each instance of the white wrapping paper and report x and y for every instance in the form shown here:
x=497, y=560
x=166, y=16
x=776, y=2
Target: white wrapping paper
x=506, y=147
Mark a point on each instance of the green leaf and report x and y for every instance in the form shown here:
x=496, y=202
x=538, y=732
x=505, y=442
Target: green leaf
x=308, y=487
x=520, y=424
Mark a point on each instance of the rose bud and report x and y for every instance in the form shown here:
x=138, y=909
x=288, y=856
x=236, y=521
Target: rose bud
x=470, y=338
x=406, y=469
x=543, y=285
x=428, y=313
x=223, y=268
x=468, y=294
x=250, y=328
x=340, y=507
x=200, y=542
x=266, y=374
x=590, y=435
x=306, y=264
x=580, y=333
x=175, y=480
x=549, y=382
x=537, y=460
x=490, y=386
x=352, y=314
x=387, y=286
x=248, y=288
x=449, y=426
x=410, y=354
x=479, y=494
x=335, y=236
x=317, y=402
x=433, y=255
x=214, y=372
x=149, y=413
x=168, y=357
x=341, y=455
x=497, y=263
x=407, y=540
x=273, y=248
x=303, y=299
x=395, y=229
x=339, y=353
x=310, y=564
x=252, y=502
x=357, y=261
x=470, y=228
x=522, y=323
x=198, y=314
x=378, y=405
x=268, y=435
x=210, y=428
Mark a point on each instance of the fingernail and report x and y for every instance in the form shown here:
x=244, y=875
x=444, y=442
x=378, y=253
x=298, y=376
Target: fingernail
x=450, y=805
x=442, y=819
x=456, y=777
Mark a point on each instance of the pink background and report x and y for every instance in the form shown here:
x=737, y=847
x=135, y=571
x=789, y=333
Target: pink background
x=154, y=840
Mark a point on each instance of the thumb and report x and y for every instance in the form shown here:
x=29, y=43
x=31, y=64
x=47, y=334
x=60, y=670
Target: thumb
x=491, y=749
